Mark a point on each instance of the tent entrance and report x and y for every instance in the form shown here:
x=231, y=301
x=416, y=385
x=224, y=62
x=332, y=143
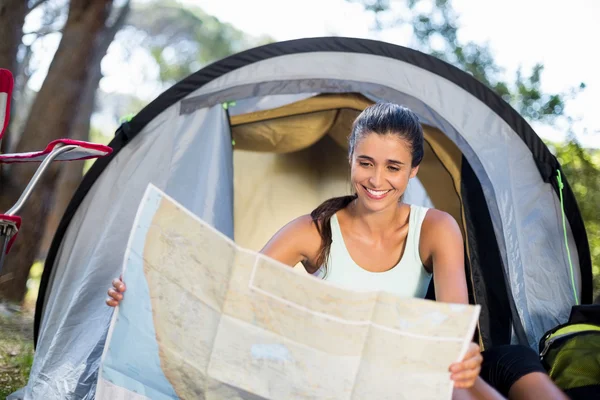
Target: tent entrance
x=289, y=159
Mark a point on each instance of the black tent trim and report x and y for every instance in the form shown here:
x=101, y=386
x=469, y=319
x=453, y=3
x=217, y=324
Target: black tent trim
x=545, y=161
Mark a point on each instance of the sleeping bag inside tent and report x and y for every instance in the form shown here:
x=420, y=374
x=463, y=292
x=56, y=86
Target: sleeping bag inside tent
x=254, y=140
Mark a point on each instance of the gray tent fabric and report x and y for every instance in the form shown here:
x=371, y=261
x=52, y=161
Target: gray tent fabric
x=169, y=155
x=186, y=150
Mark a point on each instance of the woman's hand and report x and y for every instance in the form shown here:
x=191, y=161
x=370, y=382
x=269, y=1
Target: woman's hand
x=116, y=292
x=465, y=373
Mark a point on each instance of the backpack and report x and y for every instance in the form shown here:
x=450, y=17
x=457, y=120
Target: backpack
x=570, y=352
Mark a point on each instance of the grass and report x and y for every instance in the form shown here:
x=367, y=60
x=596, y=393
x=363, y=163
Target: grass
x=16, y=338
x=16, y=350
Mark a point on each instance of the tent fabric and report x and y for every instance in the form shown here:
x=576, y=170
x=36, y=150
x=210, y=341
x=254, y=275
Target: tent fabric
x=181, y=142
x=487, y=277
x=440, y=173
x=272, y=189
x=297, y=125
x=91, y=253
x=284, y=135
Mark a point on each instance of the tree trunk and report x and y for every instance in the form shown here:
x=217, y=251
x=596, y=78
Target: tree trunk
x=71, y=173
x=12, y=18
x=51, y=117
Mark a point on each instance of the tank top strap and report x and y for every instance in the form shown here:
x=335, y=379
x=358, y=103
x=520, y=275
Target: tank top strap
x=337, y=249
x=417, y=216
x=336, y=231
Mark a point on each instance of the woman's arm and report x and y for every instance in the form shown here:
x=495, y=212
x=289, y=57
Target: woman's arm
x=442, y=249
x=298, y=241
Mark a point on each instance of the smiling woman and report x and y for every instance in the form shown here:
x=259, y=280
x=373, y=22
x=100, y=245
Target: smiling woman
x=371, y=239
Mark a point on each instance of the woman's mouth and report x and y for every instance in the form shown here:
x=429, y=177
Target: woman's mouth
x=376, y=194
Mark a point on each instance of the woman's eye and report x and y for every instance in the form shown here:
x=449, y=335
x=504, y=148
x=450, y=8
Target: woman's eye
x=364, y=164
x=394, y=169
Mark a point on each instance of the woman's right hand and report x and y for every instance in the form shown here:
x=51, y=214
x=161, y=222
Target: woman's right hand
x=116, y=292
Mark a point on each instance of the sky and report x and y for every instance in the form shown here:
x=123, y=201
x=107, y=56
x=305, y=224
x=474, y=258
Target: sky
x=556, y=33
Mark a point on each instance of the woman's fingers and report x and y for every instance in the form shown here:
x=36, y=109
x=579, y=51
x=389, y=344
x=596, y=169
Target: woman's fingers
x=472, y=351
x=470, y=360
x=470, y=363
x=115, y=295
x=112, y=302
x=114, y=298
x=119, y=285
x=467, y=375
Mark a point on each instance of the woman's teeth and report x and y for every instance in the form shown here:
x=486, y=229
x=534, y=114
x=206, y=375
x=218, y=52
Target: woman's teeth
x=377, y=193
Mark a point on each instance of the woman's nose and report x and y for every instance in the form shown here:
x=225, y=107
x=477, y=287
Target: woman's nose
x=376, y=178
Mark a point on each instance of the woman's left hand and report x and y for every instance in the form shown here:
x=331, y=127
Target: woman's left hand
x=465, y=373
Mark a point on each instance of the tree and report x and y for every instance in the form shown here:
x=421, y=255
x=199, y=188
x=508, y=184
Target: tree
x=71, y=173
x=435, y=32
x=12, y=19
x=195, y=37
x=585, y=166
x=182, y=40
x=51, y=116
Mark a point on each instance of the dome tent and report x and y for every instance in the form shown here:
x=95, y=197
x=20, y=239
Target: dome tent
x=258, y=138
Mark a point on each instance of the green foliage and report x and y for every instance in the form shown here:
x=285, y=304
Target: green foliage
x=183, y=39
x=436, y=32
x=436, y=29
x=582, y=169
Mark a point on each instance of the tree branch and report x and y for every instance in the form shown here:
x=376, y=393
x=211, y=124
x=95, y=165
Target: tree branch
x=43, y=32
x=120, y=21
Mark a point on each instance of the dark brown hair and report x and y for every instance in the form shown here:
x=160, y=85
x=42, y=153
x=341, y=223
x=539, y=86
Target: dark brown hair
x=382, y=119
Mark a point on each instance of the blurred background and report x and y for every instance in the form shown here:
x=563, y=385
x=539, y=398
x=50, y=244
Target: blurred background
x=82, y=67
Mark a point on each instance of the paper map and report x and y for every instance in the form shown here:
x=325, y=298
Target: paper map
x=205, y=319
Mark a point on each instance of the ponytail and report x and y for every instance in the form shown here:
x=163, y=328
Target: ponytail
x=321, y=217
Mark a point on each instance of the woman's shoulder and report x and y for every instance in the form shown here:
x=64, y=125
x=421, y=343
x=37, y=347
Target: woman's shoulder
x=296, y=241
x=438, y=225
x=303, y=224
x=439, y=233
x=303, y=231
x=438, y=219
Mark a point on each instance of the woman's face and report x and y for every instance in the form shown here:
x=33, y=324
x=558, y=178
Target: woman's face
x=380, y=168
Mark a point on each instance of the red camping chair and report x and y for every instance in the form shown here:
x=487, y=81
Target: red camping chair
x=57, y=150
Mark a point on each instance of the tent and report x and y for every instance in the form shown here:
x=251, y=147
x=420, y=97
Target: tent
x=258, y=138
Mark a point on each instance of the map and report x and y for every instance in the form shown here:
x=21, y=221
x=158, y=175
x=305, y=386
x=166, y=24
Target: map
x=203, y=318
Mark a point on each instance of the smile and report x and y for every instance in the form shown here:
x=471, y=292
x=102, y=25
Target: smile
x=376, y=194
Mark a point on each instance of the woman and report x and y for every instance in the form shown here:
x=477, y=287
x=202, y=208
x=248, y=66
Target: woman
x=372, y=240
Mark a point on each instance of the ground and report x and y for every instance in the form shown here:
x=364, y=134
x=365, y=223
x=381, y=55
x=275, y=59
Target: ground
x=16, y=338
x=16, y=349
